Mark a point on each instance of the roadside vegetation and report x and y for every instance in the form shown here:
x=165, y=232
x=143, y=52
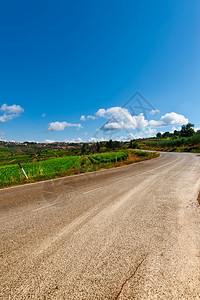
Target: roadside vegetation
x=45, y=161
x=64, y=166
x=185, y=140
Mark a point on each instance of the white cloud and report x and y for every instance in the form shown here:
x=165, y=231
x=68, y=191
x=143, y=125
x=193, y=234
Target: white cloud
x=49, y=141
x=94, y=140
x=91, y=117
x=57, y=126
x=10, y=112
x=121, y=138
x=148, y=132
x=154, y=112
x=13, y=109
x=176, y=128
x=174, y=119
x=169, y=119
x=120, y=118
x=2, y=133
x=5, y=117
x=84, y=118
x=78, y=140
x=131, y=136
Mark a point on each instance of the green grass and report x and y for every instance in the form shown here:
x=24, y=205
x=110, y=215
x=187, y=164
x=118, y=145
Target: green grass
x=55, y=167
x=108, y=157
x=5, y=152
x=24, y=154
x=11, y=174
x=141, y=153
x=184, y=144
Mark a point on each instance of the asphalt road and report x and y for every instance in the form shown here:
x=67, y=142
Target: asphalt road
x=127, y=233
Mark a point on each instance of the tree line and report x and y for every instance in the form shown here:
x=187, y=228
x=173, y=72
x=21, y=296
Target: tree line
x=186, y=131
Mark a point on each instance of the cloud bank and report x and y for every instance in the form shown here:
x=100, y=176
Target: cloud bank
x=120, y=118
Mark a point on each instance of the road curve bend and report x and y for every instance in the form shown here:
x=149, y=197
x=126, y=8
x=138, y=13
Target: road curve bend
x=125, y=233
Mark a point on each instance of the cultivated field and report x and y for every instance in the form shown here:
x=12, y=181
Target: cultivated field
x=63, y=166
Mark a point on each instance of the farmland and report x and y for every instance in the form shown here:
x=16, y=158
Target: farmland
x=11, y=174
x=184, y=140
x=108, y=157
x=184, y=144
x=30, y=152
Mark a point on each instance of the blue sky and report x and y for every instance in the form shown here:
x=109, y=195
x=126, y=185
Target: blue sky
x=60, y=60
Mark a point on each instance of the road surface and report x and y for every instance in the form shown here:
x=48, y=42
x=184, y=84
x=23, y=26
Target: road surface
x=127, y=233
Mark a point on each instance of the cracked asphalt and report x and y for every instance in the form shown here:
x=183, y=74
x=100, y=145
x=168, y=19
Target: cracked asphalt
x=125, y=233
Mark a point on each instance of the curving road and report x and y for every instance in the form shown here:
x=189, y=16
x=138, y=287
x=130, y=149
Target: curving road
x=127, y=233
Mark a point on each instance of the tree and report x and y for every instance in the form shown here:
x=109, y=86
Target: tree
x=187, y=130
x=97, y=146
x=102, y=149
x=158, y=135
x=83, y=149
x=109, y=144
x=177, y=133
x=116, y=144
x=133, y=144
x=166, y=134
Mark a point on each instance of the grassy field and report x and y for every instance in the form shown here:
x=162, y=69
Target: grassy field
x=184, y=144
x=11, y=174
x=37, y=153
x=108, y=157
